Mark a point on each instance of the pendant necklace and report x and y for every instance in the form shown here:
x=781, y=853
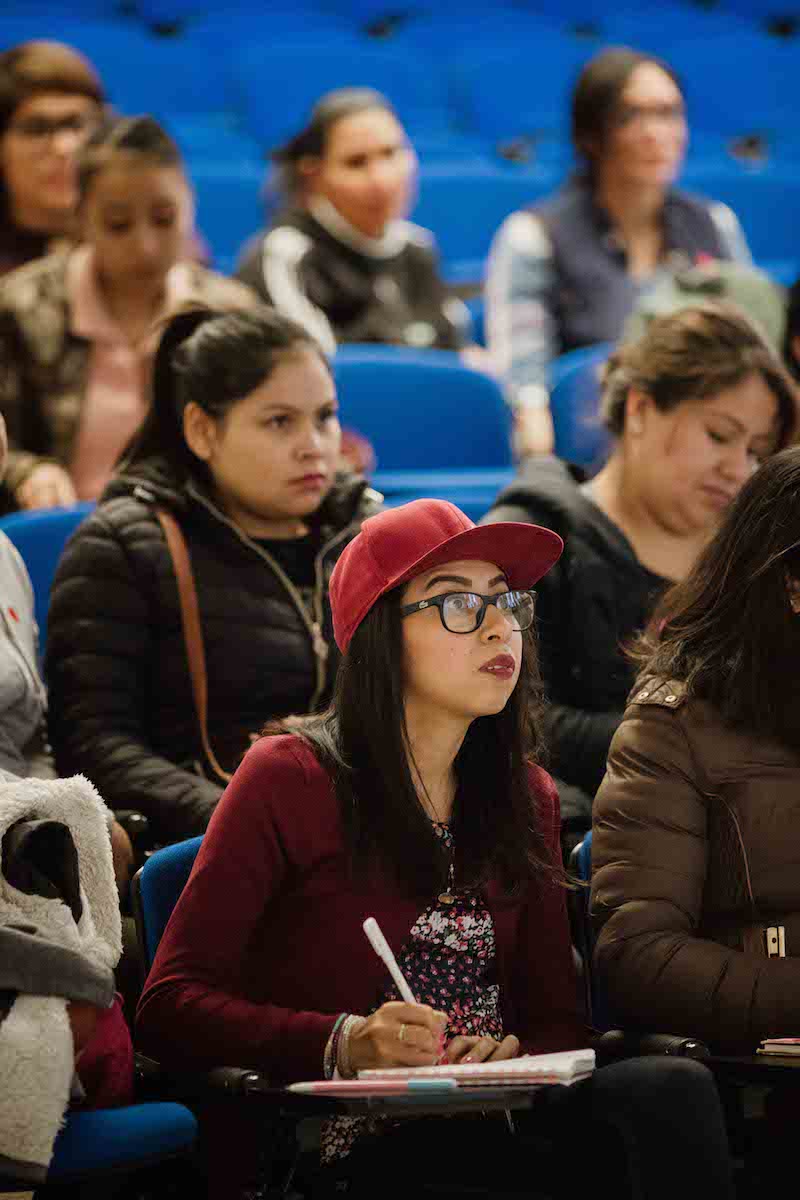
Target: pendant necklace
x=448, y=897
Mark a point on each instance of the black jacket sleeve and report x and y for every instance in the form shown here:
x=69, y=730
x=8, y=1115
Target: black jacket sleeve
x=99, y=645
x=577, y=738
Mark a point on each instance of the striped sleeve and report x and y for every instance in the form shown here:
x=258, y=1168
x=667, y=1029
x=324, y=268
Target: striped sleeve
x=281, y=258
x=520, y=324
x=731, y=234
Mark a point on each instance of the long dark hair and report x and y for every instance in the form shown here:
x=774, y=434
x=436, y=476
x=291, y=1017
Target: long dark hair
x=212, y=359
x=728, y=630
x=361, y=741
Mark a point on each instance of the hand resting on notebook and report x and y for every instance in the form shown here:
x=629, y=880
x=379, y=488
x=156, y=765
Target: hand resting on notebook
x=480, y=1049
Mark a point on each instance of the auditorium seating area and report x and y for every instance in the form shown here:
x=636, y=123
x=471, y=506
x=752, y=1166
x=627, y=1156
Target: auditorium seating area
x=482, y=90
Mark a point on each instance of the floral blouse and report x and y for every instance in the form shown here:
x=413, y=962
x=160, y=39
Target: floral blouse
x=449, y=962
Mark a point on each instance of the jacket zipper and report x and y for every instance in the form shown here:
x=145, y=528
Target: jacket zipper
x=312, y=623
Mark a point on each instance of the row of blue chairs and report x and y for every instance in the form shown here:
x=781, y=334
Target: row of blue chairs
x=465, y=204
x=438, y=430
x=484, y=86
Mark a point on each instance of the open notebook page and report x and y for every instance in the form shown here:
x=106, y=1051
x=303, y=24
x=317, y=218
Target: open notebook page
x=565, y=1066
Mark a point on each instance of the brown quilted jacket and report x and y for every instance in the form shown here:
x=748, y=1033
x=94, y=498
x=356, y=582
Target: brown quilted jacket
x=696, y=851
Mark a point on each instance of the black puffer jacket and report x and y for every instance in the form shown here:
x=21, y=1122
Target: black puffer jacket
x=121, y=708
x=596, y=597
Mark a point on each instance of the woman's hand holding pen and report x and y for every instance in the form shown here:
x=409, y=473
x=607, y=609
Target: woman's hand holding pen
x=398, y=1035
x=463, y=1049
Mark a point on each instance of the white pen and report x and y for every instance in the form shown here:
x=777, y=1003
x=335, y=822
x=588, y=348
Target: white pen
x=383, y=950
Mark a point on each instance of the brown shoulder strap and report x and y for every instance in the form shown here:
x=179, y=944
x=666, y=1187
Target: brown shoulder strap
x=192, y=630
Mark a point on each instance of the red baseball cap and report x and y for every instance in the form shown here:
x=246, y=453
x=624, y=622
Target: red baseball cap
x=399, y=543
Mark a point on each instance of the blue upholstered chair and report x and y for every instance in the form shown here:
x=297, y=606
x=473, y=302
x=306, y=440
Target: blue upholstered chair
x=438, y=428
x=100, y=1144
x=580, y=436
x=155, y=890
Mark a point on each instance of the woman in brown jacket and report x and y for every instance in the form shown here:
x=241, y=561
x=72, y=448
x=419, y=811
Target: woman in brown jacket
x=697, y=822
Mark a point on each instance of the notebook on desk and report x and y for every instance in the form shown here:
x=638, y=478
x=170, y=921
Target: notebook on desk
x=565, y=1067
x=782, y=1045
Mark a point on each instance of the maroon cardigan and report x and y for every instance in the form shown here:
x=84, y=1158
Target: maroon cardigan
x=265, y=946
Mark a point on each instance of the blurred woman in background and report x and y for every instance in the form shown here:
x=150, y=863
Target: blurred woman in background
x=50, y=101
x=693, y=407
x=567, y=272
x=340, y=258
x=76, y=328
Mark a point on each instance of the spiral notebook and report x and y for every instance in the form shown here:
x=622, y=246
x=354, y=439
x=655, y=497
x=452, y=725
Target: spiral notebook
x=565, y=1067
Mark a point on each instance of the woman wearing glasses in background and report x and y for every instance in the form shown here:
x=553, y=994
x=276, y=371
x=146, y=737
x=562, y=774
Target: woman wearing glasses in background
x=567, y=272
x=50, y=100
x=416, y=798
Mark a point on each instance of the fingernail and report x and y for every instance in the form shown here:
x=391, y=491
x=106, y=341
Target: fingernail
x=468, y=1058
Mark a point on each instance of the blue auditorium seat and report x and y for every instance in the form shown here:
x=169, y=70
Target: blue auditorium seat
x=437, y=427
x=580, y=436
x=766, y=200
x=229, y=205
x=300, y=71
x=464, y=208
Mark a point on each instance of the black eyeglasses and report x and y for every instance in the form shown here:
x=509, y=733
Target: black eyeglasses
x=463, y=612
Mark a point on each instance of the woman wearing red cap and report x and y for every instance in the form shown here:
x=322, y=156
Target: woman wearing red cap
x=415, y=799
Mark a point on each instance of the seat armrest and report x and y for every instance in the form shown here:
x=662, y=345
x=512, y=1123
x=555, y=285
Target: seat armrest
x=156, y=1082
x=616, y=1044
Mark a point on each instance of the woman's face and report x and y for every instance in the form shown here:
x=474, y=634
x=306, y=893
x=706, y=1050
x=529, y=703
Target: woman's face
x=365, y=171
x=273, y=457
x=37, y=157
x=690, y=463
x=647, y=135
x=461, y=675
x=137, y=216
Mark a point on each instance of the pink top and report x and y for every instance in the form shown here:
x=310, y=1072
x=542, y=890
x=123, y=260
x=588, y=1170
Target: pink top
x=114, y=401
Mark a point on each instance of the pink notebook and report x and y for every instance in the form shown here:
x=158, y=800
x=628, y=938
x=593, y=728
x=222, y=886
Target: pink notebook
x=565, y=1066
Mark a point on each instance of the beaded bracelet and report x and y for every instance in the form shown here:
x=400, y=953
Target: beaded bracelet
x=348, y=1028
x=332, y=1047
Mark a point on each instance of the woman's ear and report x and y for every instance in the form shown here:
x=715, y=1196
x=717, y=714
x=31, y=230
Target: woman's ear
x=199, y=431
x=637, y=405
x=308, y=168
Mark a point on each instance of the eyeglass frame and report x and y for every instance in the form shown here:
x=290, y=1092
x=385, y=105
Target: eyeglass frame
x=486, y=600
x=39, y=131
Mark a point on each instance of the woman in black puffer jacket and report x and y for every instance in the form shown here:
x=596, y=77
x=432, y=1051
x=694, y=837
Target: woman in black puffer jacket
x=241, y=448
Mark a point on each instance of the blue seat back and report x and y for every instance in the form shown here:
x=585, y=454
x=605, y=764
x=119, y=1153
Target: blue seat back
x=463, y=207
x=105, y=1141
x=40, y=537
x=157, y=886
x=580, y=863
x=580, y=436
x=422, y=410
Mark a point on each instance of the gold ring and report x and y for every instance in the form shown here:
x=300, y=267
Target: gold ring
x=401, y=1033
